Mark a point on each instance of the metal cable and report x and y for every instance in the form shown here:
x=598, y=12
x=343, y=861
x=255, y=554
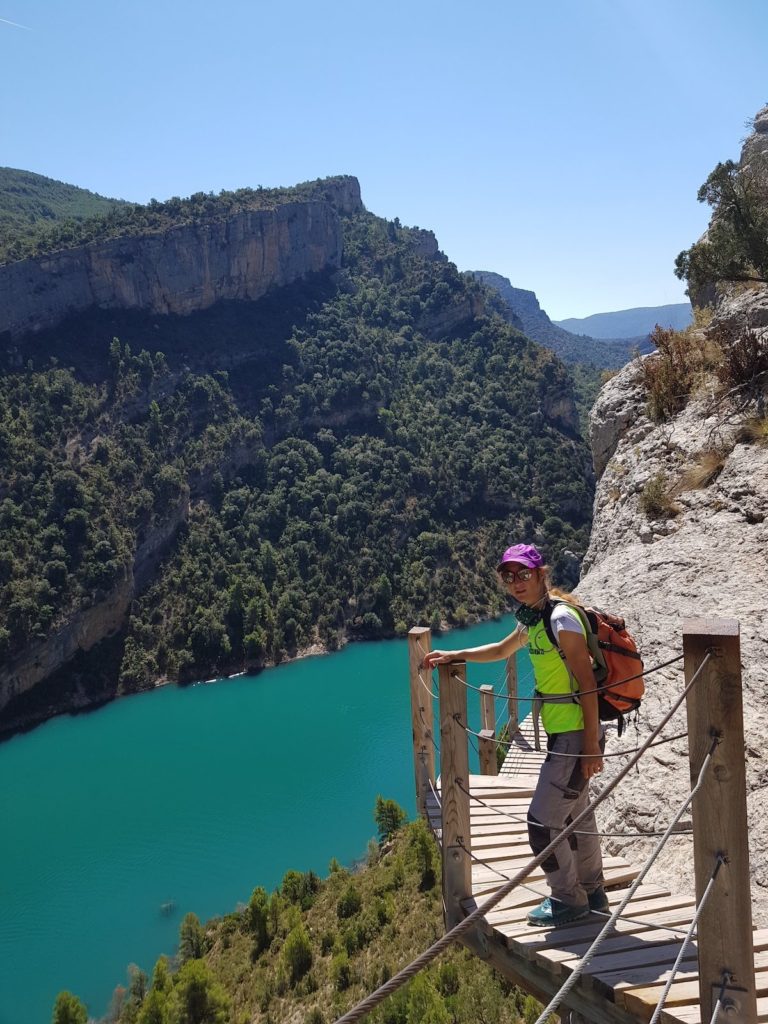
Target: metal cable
x=434, y=696
x=598, y=689
x=579, y=832
x=428, y=730
x=557, y=753
x=441, y=944
x=684, y=946
x=727, y=979
x=607, y=927
x=537, y=892
x=543, y=698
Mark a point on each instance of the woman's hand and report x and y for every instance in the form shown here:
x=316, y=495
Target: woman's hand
x=439, y=658
x=592, y=761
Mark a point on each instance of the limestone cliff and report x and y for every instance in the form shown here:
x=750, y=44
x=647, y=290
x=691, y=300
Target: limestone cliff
x=185, y=268
x=91, y=623
x=707, y=556
x=522, y=309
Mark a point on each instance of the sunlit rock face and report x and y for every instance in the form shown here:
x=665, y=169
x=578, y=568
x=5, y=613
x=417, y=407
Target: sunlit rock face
x=708, y=557
x=181, y=269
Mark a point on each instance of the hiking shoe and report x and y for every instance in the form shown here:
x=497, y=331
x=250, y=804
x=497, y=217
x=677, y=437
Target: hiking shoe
x=551, y=912
x=599, y=901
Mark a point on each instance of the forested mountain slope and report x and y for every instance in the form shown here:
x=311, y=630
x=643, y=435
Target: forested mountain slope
x=30, y=204
x=220, y=490
x=312, y=949
x=575, y=349
x=630, y=323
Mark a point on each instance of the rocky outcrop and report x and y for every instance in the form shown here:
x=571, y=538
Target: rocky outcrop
x=756, y=144
x=183, y=269
x=89, y=625
x=439, y=322
x=81, y=631
x=707, y=557
x=521, y=308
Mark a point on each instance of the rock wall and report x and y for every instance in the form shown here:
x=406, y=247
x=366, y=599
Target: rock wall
x=88, y=626
x=181, y=270
x=710, y=558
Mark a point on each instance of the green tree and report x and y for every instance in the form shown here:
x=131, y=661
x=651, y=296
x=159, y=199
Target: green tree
x=258, y=919
x=154, y=1009
x=68, y=1009
x=196, y=997
x=191, y=938
x=736, y=244
x=297, y=953
x=389, y=817
x=424, y=1003
x=161, y=976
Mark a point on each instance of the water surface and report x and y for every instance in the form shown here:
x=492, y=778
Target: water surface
x=192, y=797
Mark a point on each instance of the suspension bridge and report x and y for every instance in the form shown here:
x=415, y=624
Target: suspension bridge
x=656, y=955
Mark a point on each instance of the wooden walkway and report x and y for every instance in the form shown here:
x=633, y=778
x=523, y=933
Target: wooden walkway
x=624, y=982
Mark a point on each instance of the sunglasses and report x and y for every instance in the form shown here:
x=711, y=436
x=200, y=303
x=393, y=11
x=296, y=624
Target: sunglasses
x=509, y=575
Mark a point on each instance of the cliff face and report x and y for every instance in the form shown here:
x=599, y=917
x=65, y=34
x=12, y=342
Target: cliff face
x=183, y=269
x=90, y=625
x=526, y=314
x=708, y=558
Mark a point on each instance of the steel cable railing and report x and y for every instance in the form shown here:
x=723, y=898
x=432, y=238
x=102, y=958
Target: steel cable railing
x=430, y=954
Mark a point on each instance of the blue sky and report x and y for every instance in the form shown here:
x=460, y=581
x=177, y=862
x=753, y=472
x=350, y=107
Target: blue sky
x=560, y=144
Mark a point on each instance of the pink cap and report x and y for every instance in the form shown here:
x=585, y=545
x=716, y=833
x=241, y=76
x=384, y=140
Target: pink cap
x=525, y=554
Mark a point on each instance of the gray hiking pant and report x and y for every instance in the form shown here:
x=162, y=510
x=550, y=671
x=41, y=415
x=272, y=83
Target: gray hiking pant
x=575, y=868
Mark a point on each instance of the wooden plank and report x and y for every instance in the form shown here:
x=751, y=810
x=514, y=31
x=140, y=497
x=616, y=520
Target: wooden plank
x=524, y=897
x=692, y=1014
x=643, y=1001
x=487, y=742
x=419, y=643
x=647, y=955
x=484, y=880
x=555, y=960
x=454, y=756
x=719, y=809
x=642, y=921
x=611, y=984
x=621, y=980
x=490, y=782
x=494, y=828
x=514, y=861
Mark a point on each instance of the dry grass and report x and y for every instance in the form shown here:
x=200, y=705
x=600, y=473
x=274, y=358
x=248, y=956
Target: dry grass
x=671, y=374
x=704, y=471
x=657, y=498
x=684, y=360
x=743, y=361
x=754, y=431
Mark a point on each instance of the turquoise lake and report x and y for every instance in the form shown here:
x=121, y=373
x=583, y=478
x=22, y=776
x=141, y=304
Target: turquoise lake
x=192, y=797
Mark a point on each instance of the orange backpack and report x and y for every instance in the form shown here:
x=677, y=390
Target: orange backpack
x=618, y=667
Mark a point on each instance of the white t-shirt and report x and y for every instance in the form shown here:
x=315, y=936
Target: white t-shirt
x=565, y=620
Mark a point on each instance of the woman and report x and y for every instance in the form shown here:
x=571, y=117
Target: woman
x=575, y=738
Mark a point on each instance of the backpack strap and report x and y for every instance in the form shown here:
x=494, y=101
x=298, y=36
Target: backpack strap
x=546, y=618
x=546, y=614
x=589, y=622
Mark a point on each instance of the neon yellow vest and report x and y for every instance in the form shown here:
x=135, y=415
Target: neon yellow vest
x=552, y=678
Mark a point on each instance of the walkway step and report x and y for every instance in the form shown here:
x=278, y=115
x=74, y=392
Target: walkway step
x=624, y=981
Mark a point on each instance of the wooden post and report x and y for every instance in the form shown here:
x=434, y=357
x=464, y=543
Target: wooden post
x=422, y=716
x=514, y=709
x=719, y=815
x=454, y=773
x=487, y=745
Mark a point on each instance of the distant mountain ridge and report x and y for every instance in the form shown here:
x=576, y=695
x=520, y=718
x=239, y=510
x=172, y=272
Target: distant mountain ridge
x=522, y=308
x=30, y=202
x=629, y=323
